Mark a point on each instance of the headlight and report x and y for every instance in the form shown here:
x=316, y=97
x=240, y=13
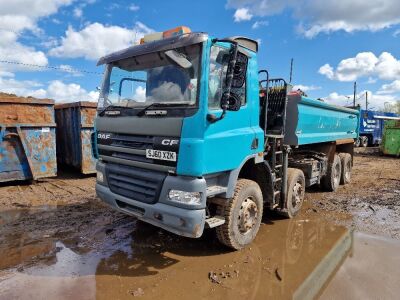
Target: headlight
x=185, y=197
x=100, y=176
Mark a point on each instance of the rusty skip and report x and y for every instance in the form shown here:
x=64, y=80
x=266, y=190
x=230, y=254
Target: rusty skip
x=27, y=138
x=75, y=123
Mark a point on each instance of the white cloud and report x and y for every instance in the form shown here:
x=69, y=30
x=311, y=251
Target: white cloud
x=57, y=90
x=371, y=80
x=242, y=14
x=6, y=74
x=13, y=51
x=321, y=16
x=18, y=15
x=386, y=67
x=375, y=100
x=134, y=7
x=306, y=88
x=15, y=17
x=70, y=92
x=96, y=40
x=259, y=24
x=78, y=12
x=22, y=88
x=390, y=88
x=260, y=7
x=69, y=69
x=327, y=70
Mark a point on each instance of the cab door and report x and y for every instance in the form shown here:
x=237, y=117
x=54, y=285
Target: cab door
x=229, y=141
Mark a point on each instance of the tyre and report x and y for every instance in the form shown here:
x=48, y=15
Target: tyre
x=345, y=160
x=243, y=214
x=331, y=180
x=357, y=142
x=364, y=141
x=296, y=185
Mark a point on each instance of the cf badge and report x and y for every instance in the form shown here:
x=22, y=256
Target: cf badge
x=168, y=142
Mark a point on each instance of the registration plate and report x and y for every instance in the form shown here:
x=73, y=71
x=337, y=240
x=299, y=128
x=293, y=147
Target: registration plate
x=160, y=154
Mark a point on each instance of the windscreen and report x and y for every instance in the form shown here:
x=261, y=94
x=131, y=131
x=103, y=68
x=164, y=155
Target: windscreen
x=164, y=77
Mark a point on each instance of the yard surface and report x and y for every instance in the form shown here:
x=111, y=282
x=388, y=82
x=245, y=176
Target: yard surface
x=58, y=240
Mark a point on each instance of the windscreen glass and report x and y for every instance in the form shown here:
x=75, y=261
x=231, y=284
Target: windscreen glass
x=166, y=77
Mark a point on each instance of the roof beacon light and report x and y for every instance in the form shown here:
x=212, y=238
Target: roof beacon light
x=176, y=31
x=155, y=36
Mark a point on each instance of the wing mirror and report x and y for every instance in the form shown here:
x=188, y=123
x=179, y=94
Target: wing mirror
x=229, y=100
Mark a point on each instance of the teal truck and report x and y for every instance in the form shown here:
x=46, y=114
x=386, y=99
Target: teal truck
x=190, y=134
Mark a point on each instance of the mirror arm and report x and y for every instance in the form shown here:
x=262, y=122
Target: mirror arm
x=229, y=79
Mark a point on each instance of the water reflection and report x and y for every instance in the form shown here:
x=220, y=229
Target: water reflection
x=114, y=259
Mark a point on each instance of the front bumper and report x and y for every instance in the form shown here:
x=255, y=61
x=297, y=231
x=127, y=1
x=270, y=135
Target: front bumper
x=179, y=220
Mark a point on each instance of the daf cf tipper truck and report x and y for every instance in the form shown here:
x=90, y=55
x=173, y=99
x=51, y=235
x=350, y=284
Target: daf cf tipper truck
x=190, y=134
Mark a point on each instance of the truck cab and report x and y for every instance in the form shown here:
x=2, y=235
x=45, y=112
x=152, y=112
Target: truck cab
x=188, y=138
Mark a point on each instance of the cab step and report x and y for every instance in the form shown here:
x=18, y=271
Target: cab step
x=215, y=221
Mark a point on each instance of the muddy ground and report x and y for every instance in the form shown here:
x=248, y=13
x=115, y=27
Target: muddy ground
x=372, y=198
x=56, y=237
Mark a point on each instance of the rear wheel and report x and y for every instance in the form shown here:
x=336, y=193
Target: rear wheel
x=330, y=181
x=243, y=214
x=296, y=185
x=364, y=141
x=357, y=142
x=345, y=160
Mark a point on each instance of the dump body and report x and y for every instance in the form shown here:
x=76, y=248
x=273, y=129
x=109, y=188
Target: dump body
x=372, y=124
x=75, y=122
x=27, y=138
x=310, y=121
x=391, y=138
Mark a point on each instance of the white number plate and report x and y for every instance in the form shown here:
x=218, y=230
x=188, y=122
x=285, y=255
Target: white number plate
x=162, y=155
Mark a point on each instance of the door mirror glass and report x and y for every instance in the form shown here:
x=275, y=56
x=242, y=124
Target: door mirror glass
x=219, y=61
x=239, y=71
x=230, y=101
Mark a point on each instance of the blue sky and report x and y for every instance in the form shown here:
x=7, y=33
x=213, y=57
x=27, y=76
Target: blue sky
x=333, y=43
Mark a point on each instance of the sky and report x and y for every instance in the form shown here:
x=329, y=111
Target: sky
x=49, y=48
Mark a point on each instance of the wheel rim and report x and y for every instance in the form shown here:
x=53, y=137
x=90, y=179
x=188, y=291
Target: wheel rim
x=248, y=215
x=297, y=195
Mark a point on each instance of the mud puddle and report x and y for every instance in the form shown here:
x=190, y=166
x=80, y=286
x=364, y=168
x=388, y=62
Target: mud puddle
x=372, y=197
x=86, y=251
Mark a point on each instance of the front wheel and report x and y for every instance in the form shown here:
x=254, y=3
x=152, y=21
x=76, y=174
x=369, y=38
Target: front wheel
x=243, y=214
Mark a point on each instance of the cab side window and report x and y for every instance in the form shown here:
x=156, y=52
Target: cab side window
x=219, y=60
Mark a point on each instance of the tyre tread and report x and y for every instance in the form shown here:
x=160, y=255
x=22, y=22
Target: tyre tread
x=226, y=211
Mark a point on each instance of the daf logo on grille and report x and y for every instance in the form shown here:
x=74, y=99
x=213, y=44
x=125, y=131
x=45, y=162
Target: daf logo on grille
x=168, y=142
x=103, y=136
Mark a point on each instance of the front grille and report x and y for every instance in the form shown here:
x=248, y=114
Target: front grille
x=135, y=183
x=142, y=142
x=132, y=147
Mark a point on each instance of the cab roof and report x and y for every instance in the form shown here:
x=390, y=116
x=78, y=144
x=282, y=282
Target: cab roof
x=171, y=43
